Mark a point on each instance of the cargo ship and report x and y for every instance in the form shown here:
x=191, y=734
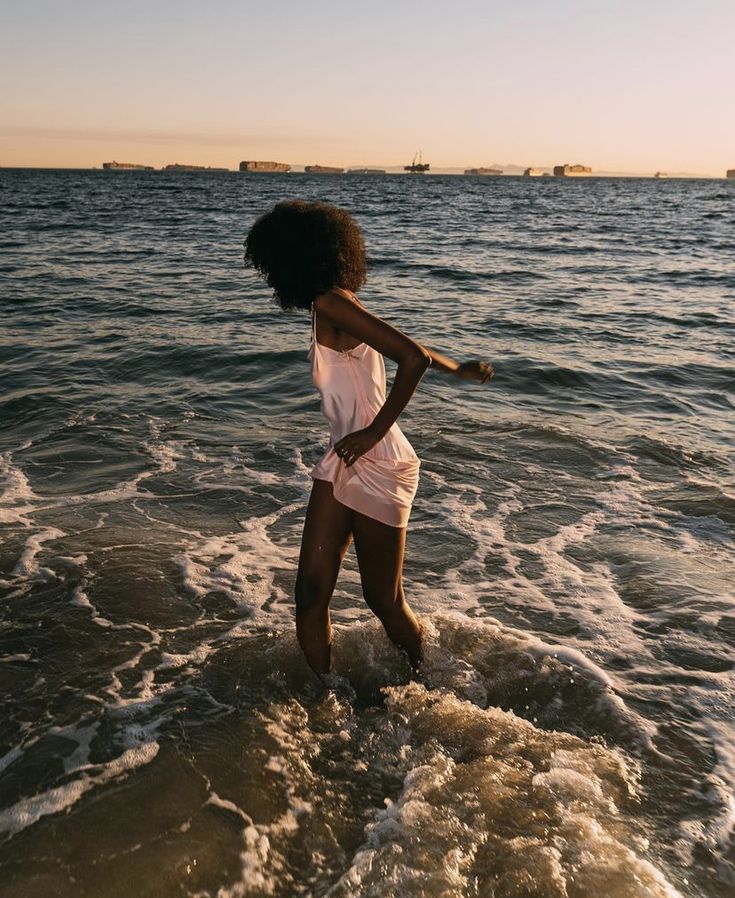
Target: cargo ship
x=366, y=171
x=730, y=174
x=571, y=171
x=533, y=173
x=252, y=165
x=176, y=166
x=483, y=171
x=323, y=169
x=125, y=166
x=417, y=168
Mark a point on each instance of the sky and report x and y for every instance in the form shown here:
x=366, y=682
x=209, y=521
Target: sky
x=614, y=84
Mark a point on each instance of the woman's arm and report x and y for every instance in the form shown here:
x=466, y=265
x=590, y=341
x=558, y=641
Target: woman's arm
x=474, y=370
x=412, y=359
x=442, y=362
x=344, y=313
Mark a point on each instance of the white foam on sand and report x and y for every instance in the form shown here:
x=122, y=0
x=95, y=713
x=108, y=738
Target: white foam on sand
x=10, y=757
x=166, y=453
x=26, y=812
x=16, y=496
x=717, y=837
x=492, y=797
x=80, y=598
x=27, y=567
x=558, y=583
x=256, y=852
x=240, y=565
x=498, y=655
x=492, y=805
x=18, y=501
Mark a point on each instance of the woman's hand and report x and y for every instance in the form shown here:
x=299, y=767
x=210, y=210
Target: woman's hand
x=355, y=444
x=480, y=371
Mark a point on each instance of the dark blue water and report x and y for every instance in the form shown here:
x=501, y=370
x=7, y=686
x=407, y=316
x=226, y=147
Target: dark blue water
x=571, y=550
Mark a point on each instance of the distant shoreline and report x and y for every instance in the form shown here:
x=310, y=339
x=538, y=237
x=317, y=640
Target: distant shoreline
x=389, y=172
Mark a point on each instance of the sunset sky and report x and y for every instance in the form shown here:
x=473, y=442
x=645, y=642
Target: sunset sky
x=618, y=85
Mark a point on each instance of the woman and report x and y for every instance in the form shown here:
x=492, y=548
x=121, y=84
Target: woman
x=313, y=256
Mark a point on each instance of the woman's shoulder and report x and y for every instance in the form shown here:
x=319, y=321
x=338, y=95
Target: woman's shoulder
x=348, y=294
x=335, y=297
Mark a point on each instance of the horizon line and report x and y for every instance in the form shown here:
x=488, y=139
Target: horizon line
x=387, y=169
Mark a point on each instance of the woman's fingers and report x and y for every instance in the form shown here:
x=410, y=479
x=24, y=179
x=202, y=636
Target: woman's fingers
x=354, y=445
x=487, y=372
x=476, y=370
x=349, y=458
x=346, y=452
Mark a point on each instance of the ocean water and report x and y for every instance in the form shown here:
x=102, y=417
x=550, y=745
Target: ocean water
x=571, y=549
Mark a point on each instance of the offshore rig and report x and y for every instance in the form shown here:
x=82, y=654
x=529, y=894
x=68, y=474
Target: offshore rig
x=417, y=168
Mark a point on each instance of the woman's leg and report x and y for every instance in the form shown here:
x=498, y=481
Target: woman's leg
x=327, y=532
x=380, y=549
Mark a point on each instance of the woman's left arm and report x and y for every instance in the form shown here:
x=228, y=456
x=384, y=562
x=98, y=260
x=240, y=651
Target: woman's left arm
x=411, y=357
x=474, y=370
x=412, y=360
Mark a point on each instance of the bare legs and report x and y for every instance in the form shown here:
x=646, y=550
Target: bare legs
x=380, y=549
x=328, y=529
x=327, y=534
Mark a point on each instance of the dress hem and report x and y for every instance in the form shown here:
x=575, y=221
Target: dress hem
x=358, y=510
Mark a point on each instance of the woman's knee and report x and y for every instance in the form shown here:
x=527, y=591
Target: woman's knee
x=312, y=594
x=387, y=608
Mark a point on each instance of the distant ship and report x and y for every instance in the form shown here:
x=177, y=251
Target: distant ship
x=366, y=171
x=175, y=166
x=417, y=168
x=730, y=174
x=483, y=171
x=533, y=173
x=323, y=169
x=571, y=171
x=125, y=166
x=253, y=166
x=661, y=174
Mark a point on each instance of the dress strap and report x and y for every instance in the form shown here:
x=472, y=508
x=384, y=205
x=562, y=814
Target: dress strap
x=313, y=328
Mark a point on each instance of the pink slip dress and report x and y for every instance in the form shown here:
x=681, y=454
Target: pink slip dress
x=382, y=483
